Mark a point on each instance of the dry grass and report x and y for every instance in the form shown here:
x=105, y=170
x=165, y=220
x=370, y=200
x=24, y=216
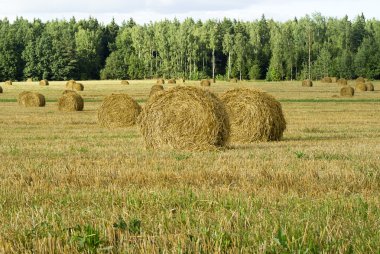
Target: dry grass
x=65, y=181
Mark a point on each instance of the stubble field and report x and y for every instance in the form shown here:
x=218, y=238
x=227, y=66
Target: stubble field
x=68, y=185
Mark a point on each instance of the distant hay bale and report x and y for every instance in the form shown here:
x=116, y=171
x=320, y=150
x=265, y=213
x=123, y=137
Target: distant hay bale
x=78, y=86
x=70, y=83
x=347, y=91
x=29, y=80
x=361, y=87
x=334, y=79
x=70, y=101
x=160, y=81
x=1, y=89
x=181, y=81
x=124, y=82
x=44, y=82
x=171, y=81
x=369, y=86
x=154, y=89
x=326, y=80
x=8, y=82
x=342, y=82
x=31, y=99
x=307, y=83
x=205, y=82
x=184, y=118
x=233, y=80
x=360, y=80
x=255, y=116
x=118, y=110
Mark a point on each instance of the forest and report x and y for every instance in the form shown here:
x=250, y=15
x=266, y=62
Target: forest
x=221, y=49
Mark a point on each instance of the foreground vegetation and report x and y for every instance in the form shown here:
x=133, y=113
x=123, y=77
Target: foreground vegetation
x=68, y=185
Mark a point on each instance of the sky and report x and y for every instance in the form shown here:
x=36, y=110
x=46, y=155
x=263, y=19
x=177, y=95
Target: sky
x=144, y=11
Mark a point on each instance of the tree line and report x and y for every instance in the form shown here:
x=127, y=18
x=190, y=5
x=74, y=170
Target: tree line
x=314, y=46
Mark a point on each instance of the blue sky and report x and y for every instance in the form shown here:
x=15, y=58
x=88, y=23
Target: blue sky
x=151, y=10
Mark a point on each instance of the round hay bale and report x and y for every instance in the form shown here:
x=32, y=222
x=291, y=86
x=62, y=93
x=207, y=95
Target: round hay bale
x=205, y=82
x=334, y=79
x=78, y=86
x=342, y=82
x=154, y=89
x=254, y=115
x=31, y=99
x=1, y=89
x=326, y=80
x=184, y=118
x=29, y=80
x=361, y=87
x=360, y=80
x=171, y=81
x=69, y=91
x=347, y=91
x=70, y=101
x=70, y=83
x=160, y=81
x=8, y=82
x=233, y=80
x=118, y=110
x=369, y=86
x=180, y=81
x=307, y=83
x=124, y=82
x=44, y=82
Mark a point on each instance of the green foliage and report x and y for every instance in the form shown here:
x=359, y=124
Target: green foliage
x=87, y=49
x=87, y=239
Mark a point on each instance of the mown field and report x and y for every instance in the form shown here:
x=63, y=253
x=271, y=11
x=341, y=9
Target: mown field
x=68, y=186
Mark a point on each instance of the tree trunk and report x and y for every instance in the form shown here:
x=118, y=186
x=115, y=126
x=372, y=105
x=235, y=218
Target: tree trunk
x=213, y=64
x=229, y=65
x=310, y=55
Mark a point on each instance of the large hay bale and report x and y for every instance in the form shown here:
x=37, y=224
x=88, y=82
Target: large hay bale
x=233, y=80
x=360, y=80
x=8, y=82
x=171, y=81
x=307, y=83
x=361, y=87
x=342, y=82
x=1, y=89
x=369, y=86
x=118, y=110
x=184, y=118
x=31, y=99
x=334, y=79
x=347, y=91
x=70, y=101
x=44, y=82
x=78, y=86
x=160, y=81
x=326, y=80
x=70, y=83
x=254, y=115
x=124, y=82
x=154, y=89
x=205, y=82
